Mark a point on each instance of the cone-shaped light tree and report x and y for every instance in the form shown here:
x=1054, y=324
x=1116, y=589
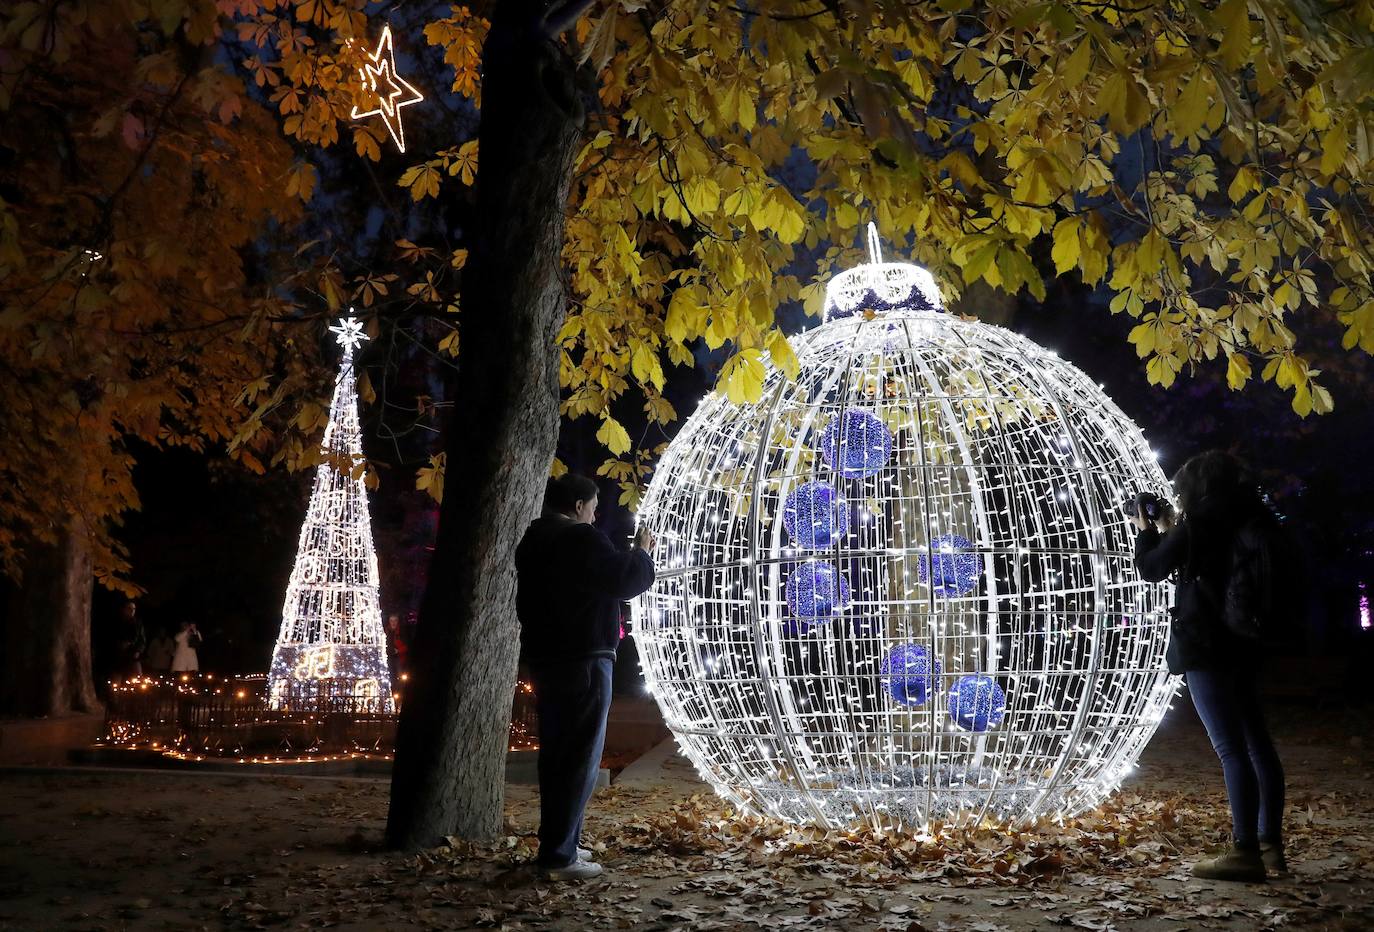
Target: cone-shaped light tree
x=332, y=647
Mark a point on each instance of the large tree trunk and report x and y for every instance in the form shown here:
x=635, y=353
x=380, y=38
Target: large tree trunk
x=46, y=665
x=449, y=777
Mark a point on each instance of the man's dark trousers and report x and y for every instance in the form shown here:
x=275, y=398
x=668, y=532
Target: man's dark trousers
x=573, y=698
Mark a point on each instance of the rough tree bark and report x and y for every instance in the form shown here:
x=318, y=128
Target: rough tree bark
x=449, y=776
x=46, y=666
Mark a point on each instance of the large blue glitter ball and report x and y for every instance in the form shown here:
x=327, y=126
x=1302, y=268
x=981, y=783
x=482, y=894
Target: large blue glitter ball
x=815, y=516
x=976, y=702
x=816, y=590
x=950, y=569
x=856, y=444
x=909, y=672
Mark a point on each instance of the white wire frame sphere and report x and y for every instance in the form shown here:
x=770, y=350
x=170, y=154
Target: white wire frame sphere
x=1007, y=458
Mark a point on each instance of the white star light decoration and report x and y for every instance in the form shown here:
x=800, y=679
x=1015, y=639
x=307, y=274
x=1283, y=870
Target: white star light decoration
x=349, y=333
x=392, y=92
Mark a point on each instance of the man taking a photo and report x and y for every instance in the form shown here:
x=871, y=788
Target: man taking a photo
x=570, y=582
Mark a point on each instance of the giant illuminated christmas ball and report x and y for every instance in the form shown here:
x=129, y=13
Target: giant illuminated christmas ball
x=899, y=588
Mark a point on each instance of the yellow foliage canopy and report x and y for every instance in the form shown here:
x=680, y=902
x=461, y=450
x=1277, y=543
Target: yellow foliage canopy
x=1210, y=164
x=135, y=173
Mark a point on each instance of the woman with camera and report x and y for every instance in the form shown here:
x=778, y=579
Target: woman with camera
x=1219, y=665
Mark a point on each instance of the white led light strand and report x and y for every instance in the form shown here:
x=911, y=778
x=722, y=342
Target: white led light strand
x=332, y=649
x=900, y=588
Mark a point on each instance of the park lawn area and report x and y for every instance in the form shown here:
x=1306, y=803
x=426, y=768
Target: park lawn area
x=156, y=850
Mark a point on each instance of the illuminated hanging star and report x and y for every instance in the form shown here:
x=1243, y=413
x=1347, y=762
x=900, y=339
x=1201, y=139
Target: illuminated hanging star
x=392, y=92
x=349, y=333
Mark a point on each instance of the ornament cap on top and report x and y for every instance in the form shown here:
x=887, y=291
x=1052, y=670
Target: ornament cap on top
x=881, y=286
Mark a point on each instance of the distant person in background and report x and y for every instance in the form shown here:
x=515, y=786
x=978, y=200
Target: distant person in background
x=570, y=582
x=396, y=638
x=161, y=649
x=130, y=642
x=185, y=659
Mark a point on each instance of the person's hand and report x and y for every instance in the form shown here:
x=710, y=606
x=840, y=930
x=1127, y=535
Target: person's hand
x=1138, y=519
x=645, y=539
x=1167, y=520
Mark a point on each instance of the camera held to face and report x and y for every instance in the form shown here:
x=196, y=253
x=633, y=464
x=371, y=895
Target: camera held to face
x=1153, y=507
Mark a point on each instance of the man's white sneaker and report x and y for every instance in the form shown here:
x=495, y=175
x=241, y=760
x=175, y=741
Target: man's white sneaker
x=577, y=870
x=585, y=854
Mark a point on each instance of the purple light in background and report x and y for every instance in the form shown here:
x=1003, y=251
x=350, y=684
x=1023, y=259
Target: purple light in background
x=1364, y=609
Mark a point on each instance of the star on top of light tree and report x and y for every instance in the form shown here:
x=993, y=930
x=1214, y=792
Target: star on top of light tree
x=349, y=333
x=392, y=92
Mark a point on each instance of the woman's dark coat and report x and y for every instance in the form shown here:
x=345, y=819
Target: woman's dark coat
x=1199, y=550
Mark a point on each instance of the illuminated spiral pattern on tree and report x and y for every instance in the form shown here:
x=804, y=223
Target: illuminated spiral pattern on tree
x=900, y=587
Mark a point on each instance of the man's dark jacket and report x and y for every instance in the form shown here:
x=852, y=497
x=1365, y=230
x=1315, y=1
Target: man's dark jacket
x=570, y=583
x=1200, y=550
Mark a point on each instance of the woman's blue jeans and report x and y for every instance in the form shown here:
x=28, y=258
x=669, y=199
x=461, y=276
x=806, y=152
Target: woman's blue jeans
x=1228, y=702
x=573, y=698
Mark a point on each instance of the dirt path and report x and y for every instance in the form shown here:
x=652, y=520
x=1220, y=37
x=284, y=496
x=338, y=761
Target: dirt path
x=179, y=851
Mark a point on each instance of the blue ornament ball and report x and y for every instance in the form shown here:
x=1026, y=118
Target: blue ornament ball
x=856, y=444
x=909, y=672
x=950, y=569
x=816, y=590
x=815, y=516
x=976, y=703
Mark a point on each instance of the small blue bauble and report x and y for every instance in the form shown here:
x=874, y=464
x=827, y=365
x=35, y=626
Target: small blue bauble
x=815, y=516
x=955, y=570
x=976, y=702
x=816, y=590
x=909, y=673
x=856, y=444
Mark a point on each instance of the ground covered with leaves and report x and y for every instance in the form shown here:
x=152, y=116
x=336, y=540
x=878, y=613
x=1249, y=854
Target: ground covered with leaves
x=184, y=851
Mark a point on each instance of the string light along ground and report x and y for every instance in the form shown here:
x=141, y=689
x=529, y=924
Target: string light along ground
x=900, y=589
x=332, y=643
x=205, y=716
x=387, y=90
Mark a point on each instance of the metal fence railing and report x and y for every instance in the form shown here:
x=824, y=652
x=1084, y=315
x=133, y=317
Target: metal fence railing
x=207, y=715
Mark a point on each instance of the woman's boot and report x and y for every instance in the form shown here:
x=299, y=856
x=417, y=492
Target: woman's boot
x=1240, y=864
x=1272, y=853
